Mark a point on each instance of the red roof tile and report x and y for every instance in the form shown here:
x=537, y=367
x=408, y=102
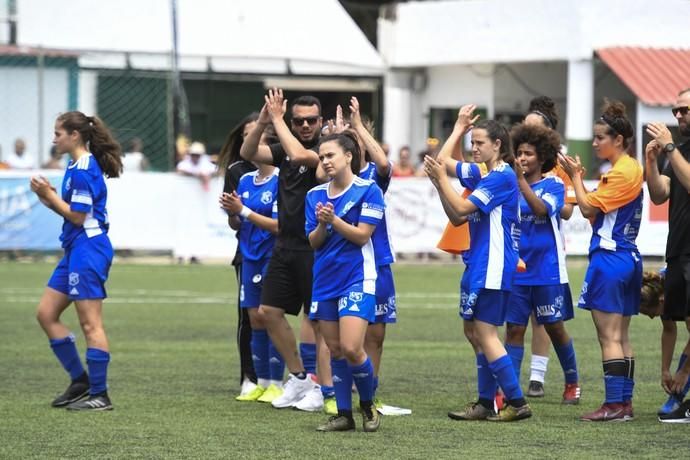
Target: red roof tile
x=654, y=75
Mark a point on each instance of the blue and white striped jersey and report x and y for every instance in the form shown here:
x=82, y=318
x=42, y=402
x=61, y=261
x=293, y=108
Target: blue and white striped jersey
x=262, y=198
x=84, y=190
x=339, y=263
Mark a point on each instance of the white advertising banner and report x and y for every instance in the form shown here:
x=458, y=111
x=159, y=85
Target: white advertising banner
x=168, y=212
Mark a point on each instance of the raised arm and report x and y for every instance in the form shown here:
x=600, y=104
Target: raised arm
x=276, y=106
x=465, y=121
x=573, y=167
x=252, y=149
x=457, y=206
x=378, y=156
x=681, y=167
x=659, y=185
x=535, y=203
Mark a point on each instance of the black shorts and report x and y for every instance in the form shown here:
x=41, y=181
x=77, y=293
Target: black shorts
x=677, y=289
x=287, y=282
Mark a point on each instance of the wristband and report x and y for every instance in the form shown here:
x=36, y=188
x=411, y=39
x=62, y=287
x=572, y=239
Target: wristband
x=245, y=212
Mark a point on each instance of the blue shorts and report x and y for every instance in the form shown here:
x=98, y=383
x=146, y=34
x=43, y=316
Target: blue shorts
x=612, y=283
x=354, y=303
x=487, y=305
x=83, y=270
x=251, y=282
x=550, y=304
x=386, y=311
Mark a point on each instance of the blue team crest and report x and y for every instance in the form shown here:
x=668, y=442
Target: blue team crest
x=349, y=206
x=73, y=279
x=267, y=197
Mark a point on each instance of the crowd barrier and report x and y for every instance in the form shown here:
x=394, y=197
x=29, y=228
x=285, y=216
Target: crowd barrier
x=168, y=212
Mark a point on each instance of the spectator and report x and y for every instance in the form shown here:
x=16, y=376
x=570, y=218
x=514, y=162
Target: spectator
x=56, y=161
x=197, y=164
x=134, y=159
x=18, y=159
x=404, y=166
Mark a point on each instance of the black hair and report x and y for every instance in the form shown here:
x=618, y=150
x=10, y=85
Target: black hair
x=616, y=120
x=230, y=152
x=545, y=107
x=307, y=101
x=497, y=131
x=348, y=142
x=545, y=141
x=97, y=138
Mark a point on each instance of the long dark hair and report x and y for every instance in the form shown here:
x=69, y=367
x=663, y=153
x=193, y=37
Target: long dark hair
x=230, y=152
x=97, y=138
x=497, y=131
x=615, y=119
x=348, y=142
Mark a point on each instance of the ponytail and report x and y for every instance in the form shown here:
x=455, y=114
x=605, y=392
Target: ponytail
x=97, y=138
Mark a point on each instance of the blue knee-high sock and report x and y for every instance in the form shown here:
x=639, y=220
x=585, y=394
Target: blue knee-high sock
x=276, y=367
x=516, y=354
x=342, y=382
x=363, y=376
x=629, y=378
x=65, y=350
x=307, y=352
x=681, y=361
x=260, y=353
x=506, y=378
x=566, y=356
x=486, y=382
x=614, y=380
x=327, y=391
x=97, y=361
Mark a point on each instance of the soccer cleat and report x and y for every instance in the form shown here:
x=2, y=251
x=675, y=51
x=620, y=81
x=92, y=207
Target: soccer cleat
x=252, y=395
x=608, y=412
x=337, y=423
x=312, y=400
x=293, y=392
x=680, y=415
x=535, y=389
x=371, y=420
x=330, y=407
x=628, y=410
x=473, y=411
x=76, y=390
x=511, y=414
x=272, y=392
x=571, y=394
x=669, y=406
x=94, y=403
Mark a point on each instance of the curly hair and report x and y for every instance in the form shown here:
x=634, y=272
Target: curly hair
x=652, y=293
x=545, y=141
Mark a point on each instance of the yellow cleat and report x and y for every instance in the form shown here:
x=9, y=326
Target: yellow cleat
x=253, y=395
x=272, y=392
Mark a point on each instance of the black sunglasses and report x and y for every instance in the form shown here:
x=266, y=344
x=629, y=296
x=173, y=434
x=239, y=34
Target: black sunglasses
x=683, y=111
x=300, y=121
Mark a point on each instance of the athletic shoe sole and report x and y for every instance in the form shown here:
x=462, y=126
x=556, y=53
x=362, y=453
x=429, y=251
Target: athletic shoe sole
x=73, y=400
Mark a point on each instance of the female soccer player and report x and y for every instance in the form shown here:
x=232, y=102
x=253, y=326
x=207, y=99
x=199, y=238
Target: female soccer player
x=676, y=385
x=542, y=112
x=341, y=216
x=374, y=165
x=542, y=290
x=611, y=289
x=81, y=274
x=492, y=210
x=253, y=210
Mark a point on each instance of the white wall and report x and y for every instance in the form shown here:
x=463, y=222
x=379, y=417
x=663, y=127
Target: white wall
x=516, y=84
x=20, y=115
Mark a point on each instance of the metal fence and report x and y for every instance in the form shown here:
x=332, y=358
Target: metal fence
x=37, y=85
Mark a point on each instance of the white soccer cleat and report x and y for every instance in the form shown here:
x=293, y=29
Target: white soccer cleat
x=312, y=401
x=293, y=391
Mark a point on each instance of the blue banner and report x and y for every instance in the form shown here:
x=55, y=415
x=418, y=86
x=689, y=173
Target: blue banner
x=25, y=223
